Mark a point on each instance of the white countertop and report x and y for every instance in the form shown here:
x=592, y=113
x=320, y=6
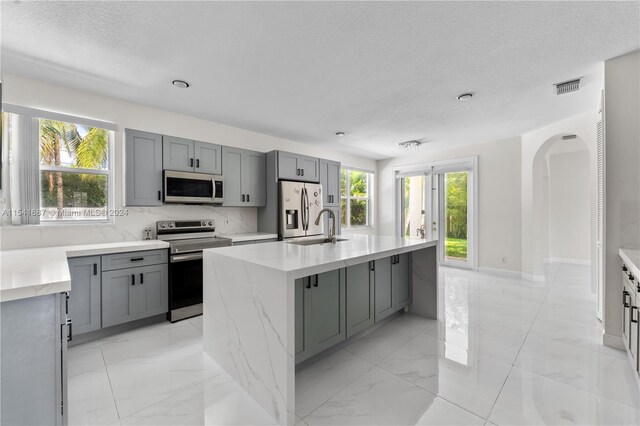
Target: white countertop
x=249, y=236
x=286, y=257
x=38, y=271
x=631, y=258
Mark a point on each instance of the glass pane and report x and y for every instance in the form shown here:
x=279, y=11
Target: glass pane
x=343, y=212
x=358, y=181
x=414, y=206
x=455, y=244
x=358, y=212
x=73, y=196
x=73, y=145
x=343, y=182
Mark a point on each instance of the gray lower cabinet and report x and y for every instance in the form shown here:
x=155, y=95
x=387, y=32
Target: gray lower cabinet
x=134, y=293
x=385, y=295
x=143, y=168
x=360, y=297
x=33, y=361
x=330, y=181
x=321, y=304
x=244, y=177
x=298, y=167
x=84, y=297
x=401, y=281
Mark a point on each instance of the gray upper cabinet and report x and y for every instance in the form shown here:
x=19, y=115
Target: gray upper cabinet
x=298, y=167
x=330, y=181
x=360, y=297
x=143, y=168
x=208, y=158
x=85, y=294
x=400, y=271
x=385, y=296
x=244, y=177
x=191, y=156
x=177, y=154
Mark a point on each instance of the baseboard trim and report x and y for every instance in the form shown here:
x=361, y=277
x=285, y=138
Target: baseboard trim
x=615, y=342
x=500, y=272
x=570, y=261
x=534, y=278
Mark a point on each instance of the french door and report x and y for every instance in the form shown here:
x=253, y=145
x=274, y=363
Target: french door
x=455, y=213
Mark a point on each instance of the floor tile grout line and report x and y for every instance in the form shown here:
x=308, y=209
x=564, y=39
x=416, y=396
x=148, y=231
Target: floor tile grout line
x=113, y=395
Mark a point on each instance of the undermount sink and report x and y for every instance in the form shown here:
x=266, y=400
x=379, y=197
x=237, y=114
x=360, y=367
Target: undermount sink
x=313, y=241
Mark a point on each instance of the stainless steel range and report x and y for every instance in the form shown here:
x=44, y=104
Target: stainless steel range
x=187, y=239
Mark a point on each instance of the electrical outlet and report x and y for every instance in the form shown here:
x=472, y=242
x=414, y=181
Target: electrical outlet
x=226, y=221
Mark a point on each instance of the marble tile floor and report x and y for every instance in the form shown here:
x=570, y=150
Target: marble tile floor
x=505, y=351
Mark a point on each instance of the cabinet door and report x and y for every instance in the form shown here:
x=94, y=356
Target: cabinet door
x=327, y=221
x=84, y=297
x=330, y=181
x=288, y=167
x=384, y=294
x=626, y=309
x=400, y=281
x=299, y=318
x=255, y=178
x=309, y=169
x=119, y=296
x=208, y=158
x=143, y=168
x=232, y=166
x=152, y=285
x=360, y=298
x=325, y=317
x=177, y=154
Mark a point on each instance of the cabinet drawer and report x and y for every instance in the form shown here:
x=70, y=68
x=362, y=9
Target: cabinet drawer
x=134, y=259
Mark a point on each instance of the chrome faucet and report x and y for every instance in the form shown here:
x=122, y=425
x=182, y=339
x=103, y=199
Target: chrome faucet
x=332, y=228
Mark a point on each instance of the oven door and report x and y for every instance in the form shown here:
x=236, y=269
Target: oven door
x=186, y=187
x=185, y=286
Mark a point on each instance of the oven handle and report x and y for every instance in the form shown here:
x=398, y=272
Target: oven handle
x=186, y=257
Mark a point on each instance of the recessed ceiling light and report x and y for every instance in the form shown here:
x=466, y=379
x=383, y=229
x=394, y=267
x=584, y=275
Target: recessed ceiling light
x=465, y=97
x=340, y=133
x=180, y=83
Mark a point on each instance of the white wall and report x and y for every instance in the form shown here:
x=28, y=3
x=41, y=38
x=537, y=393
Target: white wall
x=622, y=127
x=535, y=146
x=22, y=91
x=569, y=203
x=499, y=215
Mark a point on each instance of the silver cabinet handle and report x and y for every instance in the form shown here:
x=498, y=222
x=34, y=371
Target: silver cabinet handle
x=185, y=257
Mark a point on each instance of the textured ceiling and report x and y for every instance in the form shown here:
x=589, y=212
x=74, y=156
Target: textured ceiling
x=384, y=72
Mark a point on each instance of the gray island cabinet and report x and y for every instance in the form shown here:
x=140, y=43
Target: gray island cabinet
x=270, y=306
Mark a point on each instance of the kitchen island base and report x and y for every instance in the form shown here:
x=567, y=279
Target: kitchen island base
x=250, y=326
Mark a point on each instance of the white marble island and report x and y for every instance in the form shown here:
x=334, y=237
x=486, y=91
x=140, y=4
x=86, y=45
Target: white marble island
x=250, y=305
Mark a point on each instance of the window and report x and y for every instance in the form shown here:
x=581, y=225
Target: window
x=74, y=171
x=356, y=198
x=58, y=168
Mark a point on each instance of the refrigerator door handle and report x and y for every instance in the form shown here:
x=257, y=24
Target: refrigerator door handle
x=306, y=209
x=302, y=209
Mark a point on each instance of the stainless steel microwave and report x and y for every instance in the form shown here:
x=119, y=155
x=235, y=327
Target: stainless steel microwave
x=192, y=188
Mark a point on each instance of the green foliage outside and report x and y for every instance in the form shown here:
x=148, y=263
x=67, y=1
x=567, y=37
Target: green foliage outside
x=456, y=214
x=456, y=248
x=358, y=187
x=74, y=146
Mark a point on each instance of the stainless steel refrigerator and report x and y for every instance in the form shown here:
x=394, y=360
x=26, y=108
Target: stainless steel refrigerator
x=299, y=206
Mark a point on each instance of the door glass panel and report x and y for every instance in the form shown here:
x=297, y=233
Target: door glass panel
x=413, y=206
x=455, y=215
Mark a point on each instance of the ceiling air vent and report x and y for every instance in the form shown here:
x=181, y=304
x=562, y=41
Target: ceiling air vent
x=567, y=86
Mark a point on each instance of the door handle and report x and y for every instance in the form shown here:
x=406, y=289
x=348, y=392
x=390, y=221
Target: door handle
x=247, y=198
x=633, y=309
x=133, y=279
x=243, y=198
x=141, y=278
x=302, y=170
x=159, y=195
x=69, y=323
x=198, y=163
x=372, y=265
x=95, y=269
x=191, y=162
x=308, y=279
x=315, y=281
x=137, y=259
x=297, y=172
x=624, y=268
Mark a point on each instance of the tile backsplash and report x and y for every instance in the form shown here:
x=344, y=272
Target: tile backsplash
x=229, y=220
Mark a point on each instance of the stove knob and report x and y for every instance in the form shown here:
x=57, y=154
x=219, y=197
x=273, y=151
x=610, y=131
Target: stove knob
x=162, y=225
x=210, y=223
x=203, y=223
x=172, y=225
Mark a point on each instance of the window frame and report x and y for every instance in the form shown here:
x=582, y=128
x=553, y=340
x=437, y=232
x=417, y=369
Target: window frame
x=33, y=116
x=370, y=198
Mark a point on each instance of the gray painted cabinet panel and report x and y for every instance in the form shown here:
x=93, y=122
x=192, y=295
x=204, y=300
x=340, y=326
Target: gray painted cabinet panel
x=401, y=281
x=299, y=316
x=298, y=167
x=134, y=259
x=85, y=294
x=310, y=168
x=177, y=154
x=288, y=166
x=153, y=290
x=143, y=168
x=244, y=177
x=208, y=158
x=384, y=294
x=327, y=306
x=119, y=296
x=360, y=298
x=330, y=181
